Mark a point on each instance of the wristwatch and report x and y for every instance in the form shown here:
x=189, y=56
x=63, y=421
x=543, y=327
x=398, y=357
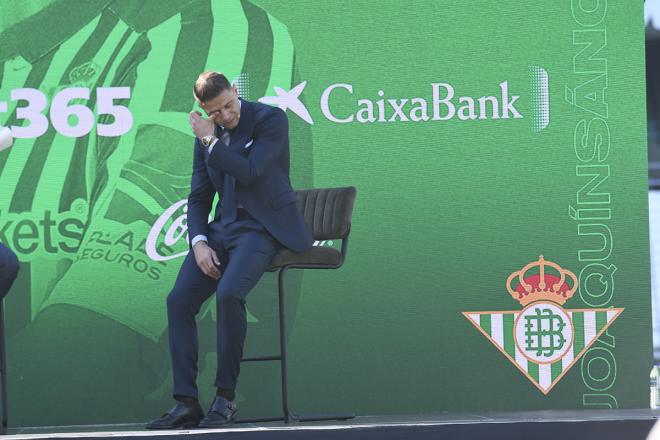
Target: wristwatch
x=208, y=140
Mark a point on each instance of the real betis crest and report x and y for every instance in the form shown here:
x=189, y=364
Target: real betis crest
x=544, y=340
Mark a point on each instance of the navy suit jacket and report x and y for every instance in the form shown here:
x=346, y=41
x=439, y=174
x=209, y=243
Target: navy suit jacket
x=262, y=177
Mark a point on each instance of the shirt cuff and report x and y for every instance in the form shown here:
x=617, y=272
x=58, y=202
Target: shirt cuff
x=199, y=237
x=211, y=148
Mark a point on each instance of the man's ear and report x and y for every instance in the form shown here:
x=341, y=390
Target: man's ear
x=199, y=103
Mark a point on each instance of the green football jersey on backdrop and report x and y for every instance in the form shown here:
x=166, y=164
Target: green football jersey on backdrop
x=94, y=200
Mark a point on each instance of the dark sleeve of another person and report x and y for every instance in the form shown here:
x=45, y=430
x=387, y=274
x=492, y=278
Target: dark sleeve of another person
x=8, y=269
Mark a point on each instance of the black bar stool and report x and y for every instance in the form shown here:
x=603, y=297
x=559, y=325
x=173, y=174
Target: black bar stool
x=328, y=213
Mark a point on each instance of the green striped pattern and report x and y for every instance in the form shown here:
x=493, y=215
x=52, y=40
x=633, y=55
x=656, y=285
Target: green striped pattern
x=120, y=186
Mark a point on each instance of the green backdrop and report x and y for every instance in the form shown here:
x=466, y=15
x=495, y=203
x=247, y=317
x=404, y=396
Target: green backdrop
x=454, y=195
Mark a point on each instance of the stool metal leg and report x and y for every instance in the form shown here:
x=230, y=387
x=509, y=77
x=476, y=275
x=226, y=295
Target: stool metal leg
x=288, y=416
x=3, y=370
x=282, y=358
x=283, y=369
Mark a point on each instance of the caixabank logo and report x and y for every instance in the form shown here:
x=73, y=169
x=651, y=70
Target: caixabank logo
x=543, y=340
x=444, y=102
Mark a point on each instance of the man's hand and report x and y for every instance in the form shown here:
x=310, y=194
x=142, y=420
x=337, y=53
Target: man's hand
x=207, y=259
x=201, y=126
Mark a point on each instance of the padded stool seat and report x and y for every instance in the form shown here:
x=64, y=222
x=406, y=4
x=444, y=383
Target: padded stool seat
x=316, y=256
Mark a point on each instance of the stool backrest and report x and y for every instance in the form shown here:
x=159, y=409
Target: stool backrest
x=328, y=211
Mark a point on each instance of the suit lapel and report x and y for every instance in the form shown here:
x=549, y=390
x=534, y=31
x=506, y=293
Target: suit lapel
x=244, y=128
x=215, y=175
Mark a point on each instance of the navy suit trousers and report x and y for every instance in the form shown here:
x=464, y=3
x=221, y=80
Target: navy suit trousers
x=8, y=269
x=245, y=250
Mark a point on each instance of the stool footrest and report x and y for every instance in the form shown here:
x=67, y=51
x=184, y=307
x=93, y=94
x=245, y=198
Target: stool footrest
x=263, y=419
x=262, y=358
x=295, y=418
x=320, y=417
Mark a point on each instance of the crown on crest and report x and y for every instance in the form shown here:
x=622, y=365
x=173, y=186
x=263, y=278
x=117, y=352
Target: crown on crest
x=542, y=286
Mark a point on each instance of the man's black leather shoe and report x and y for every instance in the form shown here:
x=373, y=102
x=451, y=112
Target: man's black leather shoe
x=221, y=414
x=181, y=416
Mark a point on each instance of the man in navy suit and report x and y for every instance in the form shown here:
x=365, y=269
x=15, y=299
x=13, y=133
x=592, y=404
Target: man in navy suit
x=8, y=269
x=242, y=153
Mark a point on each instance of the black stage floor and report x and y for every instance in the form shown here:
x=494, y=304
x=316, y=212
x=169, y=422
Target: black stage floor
x=537, y=425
